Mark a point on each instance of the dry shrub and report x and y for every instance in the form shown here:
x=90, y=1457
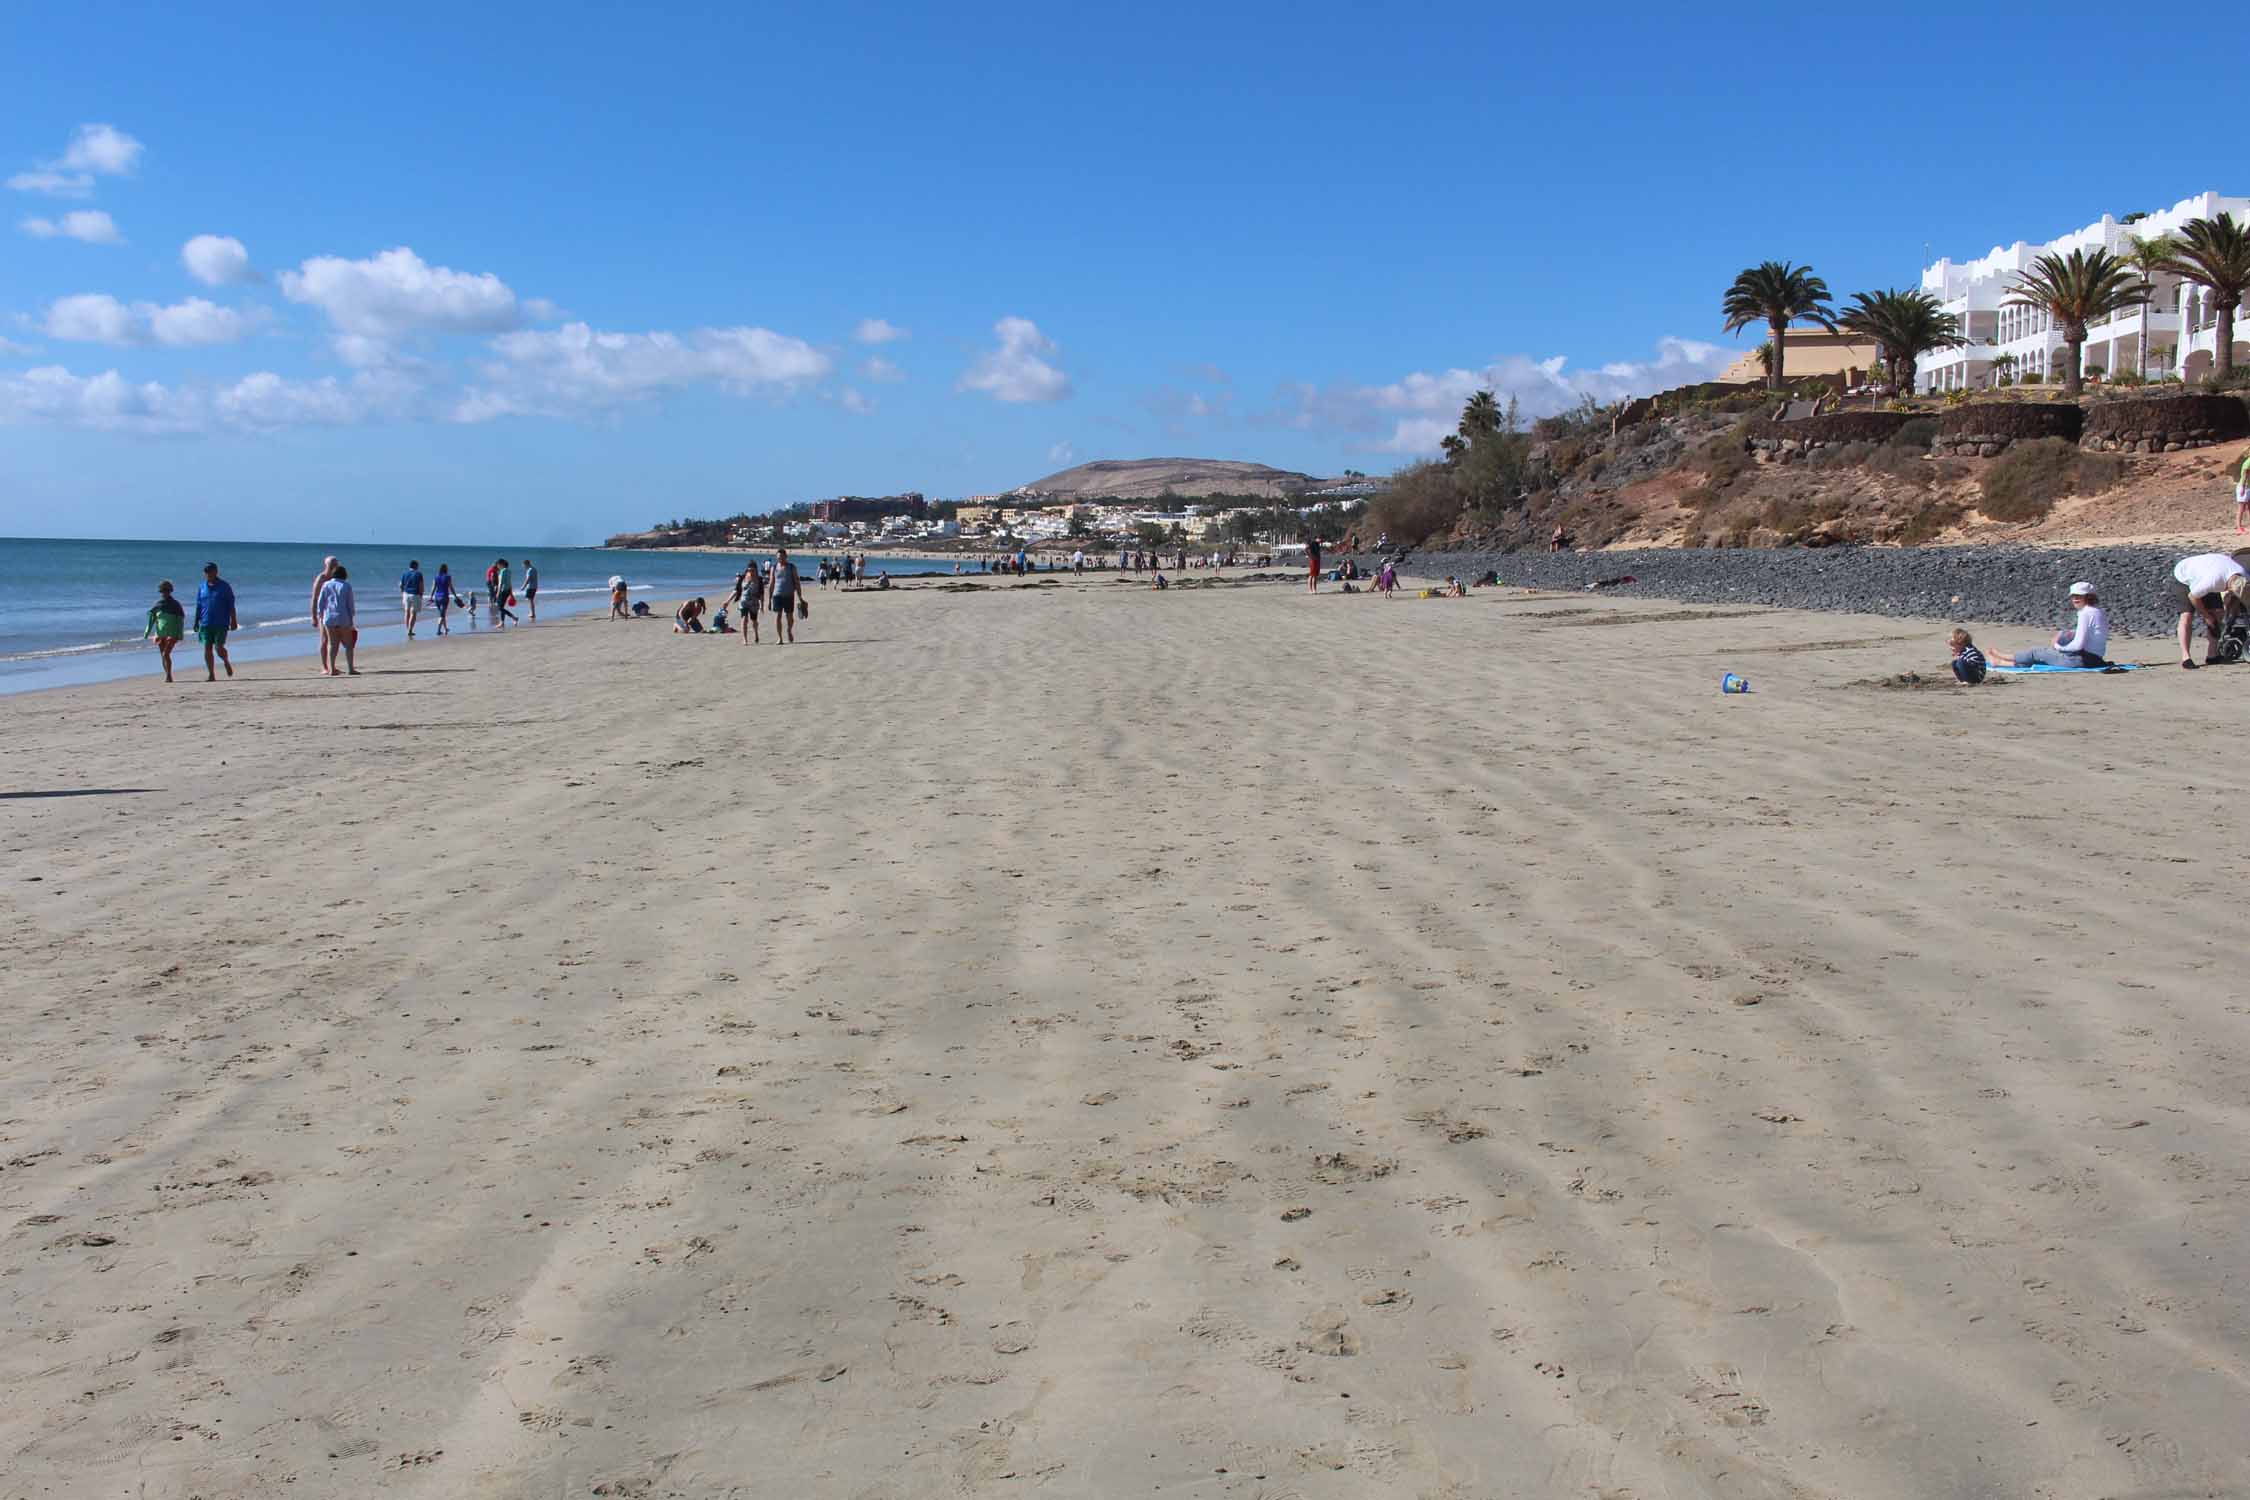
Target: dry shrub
x=1930, y=520
x=1901, y=462
x=1721, y=458
x=1423, y=501
x=2024, y=483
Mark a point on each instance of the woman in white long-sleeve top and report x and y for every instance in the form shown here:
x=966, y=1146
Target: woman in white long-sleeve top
x=2085, y=644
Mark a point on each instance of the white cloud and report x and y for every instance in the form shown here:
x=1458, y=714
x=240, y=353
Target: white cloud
x=877, y=331
x=90, y=318
x=97, y=318
x=878, y=368
x=1063, y=455
x=217, y=259
x=397, y=293
x=54, y=184
x=854, y=402
x=266, y=401
x=576, y=368
x=10, y=346
x=53, y=397
x=101, y=148
x=1421, y=408
x=540, y=310
x=88, y=224
x=1018, y=369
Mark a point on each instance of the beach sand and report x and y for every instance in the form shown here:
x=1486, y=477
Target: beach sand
x=1079, y=1041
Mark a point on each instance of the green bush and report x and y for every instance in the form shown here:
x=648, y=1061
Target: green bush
x=2032, y=378
x=1917, y=435
x=2024, y=483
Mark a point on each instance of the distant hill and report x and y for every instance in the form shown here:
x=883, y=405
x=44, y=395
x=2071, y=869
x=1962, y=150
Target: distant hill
x=1146, y=478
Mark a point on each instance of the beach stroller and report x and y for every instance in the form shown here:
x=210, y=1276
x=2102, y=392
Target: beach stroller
x=2234, y=641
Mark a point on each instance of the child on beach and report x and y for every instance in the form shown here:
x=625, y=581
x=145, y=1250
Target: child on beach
x=167, y=623
x=1968, y=661
x=617, y=599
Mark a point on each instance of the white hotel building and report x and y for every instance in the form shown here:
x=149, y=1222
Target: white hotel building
x=2173, y=335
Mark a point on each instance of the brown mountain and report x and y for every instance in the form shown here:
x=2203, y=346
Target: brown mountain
x=1146, y=478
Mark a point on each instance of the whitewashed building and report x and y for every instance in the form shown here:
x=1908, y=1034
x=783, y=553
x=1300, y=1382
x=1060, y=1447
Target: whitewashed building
x=2173, y=335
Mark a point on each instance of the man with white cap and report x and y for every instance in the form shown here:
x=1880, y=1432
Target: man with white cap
x=2086, y=644
x=2215, y=586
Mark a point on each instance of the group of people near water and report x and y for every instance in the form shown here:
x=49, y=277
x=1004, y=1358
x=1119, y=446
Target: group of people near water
x=334, y=608
x=2210, y=587
x=758, y=587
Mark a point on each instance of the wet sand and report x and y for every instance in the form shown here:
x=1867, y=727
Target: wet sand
x=1218, y=1043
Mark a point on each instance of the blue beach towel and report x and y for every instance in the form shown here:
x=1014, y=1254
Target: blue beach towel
x=2115, y=666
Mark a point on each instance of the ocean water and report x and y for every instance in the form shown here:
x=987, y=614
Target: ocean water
x=73, y=611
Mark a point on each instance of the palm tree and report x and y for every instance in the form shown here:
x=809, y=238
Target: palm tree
x=1777, y=294
x=2149, y=254
x=1480, y=417
x=2215, y=255
x=2003, y=365
x=2074, y=290
x=1905, y=326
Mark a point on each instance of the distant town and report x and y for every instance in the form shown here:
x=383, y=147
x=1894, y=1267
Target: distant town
x=1032, y=517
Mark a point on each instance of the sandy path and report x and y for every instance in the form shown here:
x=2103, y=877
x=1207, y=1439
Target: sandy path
x=897, y=1066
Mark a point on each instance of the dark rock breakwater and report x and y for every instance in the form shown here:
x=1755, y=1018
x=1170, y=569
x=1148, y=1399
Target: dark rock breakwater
x=2001, y=584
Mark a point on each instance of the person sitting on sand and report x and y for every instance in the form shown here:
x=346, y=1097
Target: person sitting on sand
x=2210, y=584
x=1453, y=589
x=1968, y=661
x=2083, y=645
x=688, y=618
x=167, y=624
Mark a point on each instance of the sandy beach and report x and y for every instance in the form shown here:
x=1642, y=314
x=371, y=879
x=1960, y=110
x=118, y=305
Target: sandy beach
x=1071, y=1040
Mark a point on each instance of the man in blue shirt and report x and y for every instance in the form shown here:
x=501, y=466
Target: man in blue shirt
x=410, y=594
x=214, y=617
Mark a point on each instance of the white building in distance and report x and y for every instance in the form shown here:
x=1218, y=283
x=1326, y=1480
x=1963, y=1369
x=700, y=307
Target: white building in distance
x=2174, y=335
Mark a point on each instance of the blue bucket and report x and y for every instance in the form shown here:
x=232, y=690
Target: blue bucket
x=1734, y=684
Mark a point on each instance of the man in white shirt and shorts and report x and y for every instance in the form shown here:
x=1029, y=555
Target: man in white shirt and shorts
x=2215, y=586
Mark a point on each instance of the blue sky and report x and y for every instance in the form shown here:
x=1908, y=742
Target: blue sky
x=560, y=270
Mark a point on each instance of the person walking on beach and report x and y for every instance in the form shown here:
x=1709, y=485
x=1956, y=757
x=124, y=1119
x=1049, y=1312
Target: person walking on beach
x=410, y=594
x=214, y=617
x=530, y=591
x=753, y=587
x=617, y=610
x=2213, y=585
x=336, y=624
x=167, y=622
x=503, y=595
x=327, y=571
x=785, y=586
x=2242, y=493
x=1312, y=563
